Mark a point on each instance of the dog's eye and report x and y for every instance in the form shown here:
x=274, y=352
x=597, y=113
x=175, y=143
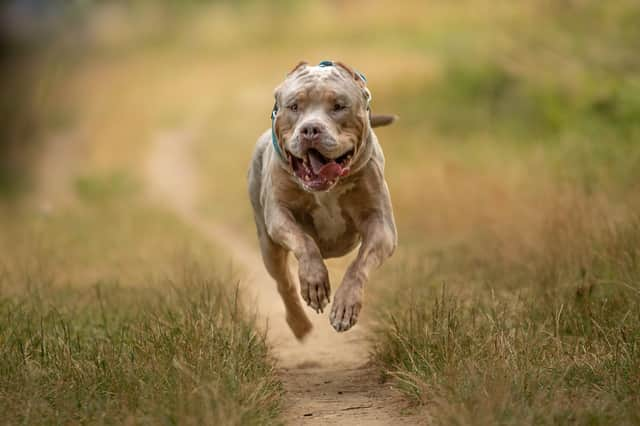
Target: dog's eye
x=338, y=107
x=293, y=107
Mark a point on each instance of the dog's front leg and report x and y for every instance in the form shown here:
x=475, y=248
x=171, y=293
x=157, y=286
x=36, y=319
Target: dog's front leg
x=312, y=272
x=378, y=243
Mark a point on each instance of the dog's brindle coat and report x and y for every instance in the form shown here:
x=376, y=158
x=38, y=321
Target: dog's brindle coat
x=323, y=109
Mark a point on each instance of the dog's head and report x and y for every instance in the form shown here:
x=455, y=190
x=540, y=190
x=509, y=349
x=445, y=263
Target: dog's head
x=320, y=122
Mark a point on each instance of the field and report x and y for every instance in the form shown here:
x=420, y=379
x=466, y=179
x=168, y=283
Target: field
x=130, y=286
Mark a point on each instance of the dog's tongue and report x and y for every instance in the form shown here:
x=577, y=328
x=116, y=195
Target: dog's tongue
x=331, y=170
x=328, y=171
x=316, y=160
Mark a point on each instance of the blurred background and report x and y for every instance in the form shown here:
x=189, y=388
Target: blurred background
x=510, y=112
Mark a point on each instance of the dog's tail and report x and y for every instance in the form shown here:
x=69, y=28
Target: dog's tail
x=379, y=120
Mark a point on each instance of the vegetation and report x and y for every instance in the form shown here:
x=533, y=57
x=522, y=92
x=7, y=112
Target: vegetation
x=552, y=339
x=102, y=325
x=106, y=354
x=515, y=297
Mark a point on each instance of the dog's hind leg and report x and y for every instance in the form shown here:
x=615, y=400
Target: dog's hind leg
x=276, y=261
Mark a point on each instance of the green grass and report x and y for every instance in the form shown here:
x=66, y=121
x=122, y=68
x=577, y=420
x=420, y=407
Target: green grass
x=553, y=339
x=108, y=354
x=104, y=187
x=489, y=97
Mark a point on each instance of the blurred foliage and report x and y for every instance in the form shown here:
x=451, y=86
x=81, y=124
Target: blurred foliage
x=488, y=98
x=104, y=187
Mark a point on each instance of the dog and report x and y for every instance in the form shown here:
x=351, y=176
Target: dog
x=317, y=188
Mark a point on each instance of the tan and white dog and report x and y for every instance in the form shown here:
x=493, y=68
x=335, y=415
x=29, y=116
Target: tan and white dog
x=317, y=189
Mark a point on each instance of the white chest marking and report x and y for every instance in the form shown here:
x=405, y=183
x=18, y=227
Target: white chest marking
x=327, y=216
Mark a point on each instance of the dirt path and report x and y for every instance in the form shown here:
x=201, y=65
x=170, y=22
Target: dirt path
x=327, y=379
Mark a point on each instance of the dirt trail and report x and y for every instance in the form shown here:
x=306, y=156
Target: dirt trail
x=327, y=379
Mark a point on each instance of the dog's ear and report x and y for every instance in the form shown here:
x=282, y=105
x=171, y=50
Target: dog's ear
x=297, y=67
x=354, y=74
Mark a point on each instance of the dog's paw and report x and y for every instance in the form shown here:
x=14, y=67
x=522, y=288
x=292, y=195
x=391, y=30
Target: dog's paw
x=314, y=284
x=347, y=303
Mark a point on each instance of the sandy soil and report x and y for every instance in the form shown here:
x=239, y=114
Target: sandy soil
x=327, y=379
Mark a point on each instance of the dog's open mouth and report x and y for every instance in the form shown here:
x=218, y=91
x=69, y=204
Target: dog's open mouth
x=318, y=172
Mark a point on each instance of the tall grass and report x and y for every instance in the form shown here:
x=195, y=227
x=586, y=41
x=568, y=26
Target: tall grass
x=552, y=340
x=106, y=354
x=108, y=315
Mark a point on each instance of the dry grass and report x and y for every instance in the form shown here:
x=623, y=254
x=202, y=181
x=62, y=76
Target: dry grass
x=108, y=354
x=108, y=314
x=542, y=336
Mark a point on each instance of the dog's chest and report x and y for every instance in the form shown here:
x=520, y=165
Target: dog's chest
x=327, y=215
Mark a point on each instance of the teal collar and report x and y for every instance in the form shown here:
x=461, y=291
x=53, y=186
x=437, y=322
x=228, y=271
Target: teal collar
x=274, y=112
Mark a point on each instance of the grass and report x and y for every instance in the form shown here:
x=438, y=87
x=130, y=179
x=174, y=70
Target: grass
x=551, y=340
x=106, y=354
x=516, y=290
x=108, y=314
x=545, y=335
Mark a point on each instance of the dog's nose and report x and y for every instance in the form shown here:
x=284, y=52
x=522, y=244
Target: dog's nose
x=311, y=131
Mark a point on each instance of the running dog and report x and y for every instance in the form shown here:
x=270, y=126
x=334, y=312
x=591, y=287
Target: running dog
x=316, y=184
